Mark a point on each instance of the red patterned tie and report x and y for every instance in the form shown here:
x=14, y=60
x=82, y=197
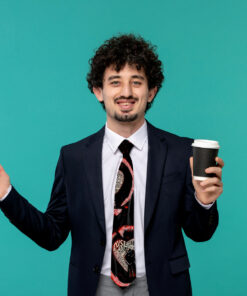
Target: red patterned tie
x=123, y=267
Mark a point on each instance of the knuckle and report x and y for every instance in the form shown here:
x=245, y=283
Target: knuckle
x=215, y=180
x=219, y=182
x=213, y=188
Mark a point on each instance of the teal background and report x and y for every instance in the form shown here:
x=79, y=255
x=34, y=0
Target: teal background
x=45, y=103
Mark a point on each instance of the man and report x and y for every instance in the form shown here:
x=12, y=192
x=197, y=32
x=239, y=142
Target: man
x=125, y=192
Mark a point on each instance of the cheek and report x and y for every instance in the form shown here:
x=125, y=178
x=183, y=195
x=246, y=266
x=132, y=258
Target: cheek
x=144, y=99
x=109, y=95
x=143, y=94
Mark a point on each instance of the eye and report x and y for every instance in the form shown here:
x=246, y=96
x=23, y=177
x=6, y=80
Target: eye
x=115, y=82
x=137, y=83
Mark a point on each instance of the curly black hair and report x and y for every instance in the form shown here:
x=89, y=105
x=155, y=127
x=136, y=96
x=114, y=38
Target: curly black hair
x=126, y=49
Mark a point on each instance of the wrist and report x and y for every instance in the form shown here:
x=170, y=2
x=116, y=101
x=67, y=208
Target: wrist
x=203, y=201
x=5, y=192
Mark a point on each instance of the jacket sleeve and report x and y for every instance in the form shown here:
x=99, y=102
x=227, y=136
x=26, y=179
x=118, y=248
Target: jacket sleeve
x=49, y=229
x=198, y=223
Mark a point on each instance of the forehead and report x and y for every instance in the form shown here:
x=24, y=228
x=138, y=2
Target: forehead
x=126, y=71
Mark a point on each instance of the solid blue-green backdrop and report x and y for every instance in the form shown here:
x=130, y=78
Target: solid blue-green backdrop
x=45, y=103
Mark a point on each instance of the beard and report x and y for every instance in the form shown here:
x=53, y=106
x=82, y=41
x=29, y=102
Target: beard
x=126, y=117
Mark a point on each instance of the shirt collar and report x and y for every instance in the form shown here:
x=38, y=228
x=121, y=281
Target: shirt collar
x=137, y=139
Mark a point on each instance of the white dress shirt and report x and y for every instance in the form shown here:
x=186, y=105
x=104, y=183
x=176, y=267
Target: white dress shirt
x=111, y=159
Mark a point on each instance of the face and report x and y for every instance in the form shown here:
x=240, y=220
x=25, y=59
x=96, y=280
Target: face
x=125, y=94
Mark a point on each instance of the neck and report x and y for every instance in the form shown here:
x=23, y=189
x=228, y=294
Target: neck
x=125, y=129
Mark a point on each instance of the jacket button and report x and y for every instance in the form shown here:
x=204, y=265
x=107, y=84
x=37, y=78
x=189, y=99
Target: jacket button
x=102, y=242
x=96, y=269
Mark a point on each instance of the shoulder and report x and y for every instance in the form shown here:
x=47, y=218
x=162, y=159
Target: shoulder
x=84, y=143
x=172, y=140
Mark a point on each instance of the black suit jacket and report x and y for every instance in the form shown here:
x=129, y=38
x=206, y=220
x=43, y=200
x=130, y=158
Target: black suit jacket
x=77, y=205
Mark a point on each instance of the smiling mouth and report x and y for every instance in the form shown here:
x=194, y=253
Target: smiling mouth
x=126, y=105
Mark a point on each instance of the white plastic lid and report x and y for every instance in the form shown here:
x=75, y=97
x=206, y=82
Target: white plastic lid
x=206, y=144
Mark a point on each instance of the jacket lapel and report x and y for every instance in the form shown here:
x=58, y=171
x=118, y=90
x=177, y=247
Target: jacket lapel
x=157, y=152
x=93, y=164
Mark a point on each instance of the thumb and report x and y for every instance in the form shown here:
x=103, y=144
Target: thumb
x=1, y=169
x=191, y=164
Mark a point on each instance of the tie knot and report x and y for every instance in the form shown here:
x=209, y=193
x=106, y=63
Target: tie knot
x=125, y=147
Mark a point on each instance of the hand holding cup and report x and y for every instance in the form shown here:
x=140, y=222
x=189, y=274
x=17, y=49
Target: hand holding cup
x=206, y=169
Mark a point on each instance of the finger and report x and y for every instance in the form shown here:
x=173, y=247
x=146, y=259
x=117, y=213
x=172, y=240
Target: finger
x=191, y=164
x=214, y=170
x=2, y=169
x=213, y=189
x=220, y=162
x=211, y=181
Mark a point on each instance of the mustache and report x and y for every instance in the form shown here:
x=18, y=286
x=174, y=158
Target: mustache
x=125, y=98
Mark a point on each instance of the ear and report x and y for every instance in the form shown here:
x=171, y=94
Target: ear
x=151, y=93
x=98, y=93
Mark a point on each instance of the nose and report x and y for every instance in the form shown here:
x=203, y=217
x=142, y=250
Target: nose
x=126, y=90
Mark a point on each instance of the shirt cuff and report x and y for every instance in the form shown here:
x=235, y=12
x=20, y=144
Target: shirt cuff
x=207, y=207
x=9, y=189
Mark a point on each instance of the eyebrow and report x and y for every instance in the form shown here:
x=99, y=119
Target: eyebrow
x=113, y=77
x=118, y=76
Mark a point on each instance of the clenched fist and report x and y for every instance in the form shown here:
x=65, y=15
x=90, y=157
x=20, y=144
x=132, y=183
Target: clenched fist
x=4, y=182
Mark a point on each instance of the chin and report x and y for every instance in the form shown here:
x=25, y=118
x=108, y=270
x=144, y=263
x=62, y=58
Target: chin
x=126, y=117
